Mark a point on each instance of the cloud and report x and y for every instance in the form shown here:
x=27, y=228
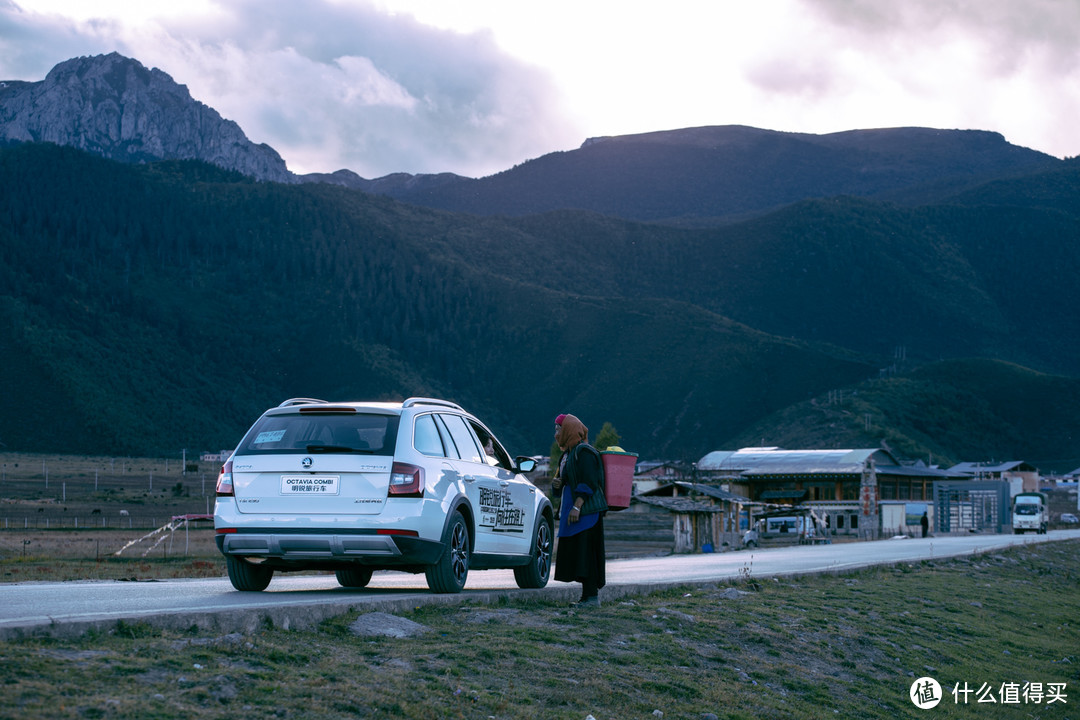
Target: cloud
x=1011, y=26
x=328, y=85
x=1010, y=66
x=1007, y=36
x=29, y=42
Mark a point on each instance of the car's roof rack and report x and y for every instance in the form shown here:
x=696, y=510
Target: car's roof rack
x=300, y=401
x=431, y=401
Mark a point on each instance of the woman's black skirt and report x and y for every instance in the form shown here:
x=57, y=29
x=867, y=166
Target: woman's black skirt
x=581, y=557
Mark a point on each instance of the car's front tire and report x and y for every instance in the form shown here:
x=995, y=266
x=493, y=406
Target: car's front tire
x=246, y=576
x=537, y=572
x=354, y=577
x=449, y=573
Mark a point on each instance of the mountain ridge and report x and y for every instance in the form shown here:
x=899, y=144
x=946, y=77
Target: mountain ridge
x=116, y=107
x=701, y=174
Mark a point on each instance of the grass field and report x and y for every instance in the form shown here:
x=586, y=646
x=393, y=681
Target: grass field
x=62, y=555
x=65, y=517
x=1003, y=625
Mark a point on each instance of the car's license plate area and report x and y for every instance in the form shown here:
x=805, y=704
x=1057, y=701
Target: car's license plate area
x=310, y=484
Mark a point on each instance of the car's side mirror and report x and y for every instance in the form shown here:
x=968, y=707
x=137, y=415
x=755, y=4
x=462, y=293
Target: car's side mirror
x=525, y=464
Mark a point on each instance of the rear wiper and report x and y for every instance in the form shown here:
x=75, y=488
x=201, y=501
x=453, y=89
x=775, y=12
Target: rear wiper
x=335, y=449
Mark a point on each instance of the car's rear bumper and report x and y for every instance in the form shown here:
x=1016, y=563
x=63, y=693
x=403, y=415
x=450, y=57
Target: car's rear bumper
x=313, y=548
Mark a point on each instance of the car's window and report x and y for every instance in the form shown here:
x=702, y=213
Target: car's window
x=493, y=451
x=322, y=432
x=448, y=442
x=426, y=437
x=463, y=438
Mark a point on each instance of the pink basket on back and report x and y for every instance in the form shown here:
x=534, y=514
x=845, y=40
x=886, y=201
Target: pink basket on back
x=618, y=478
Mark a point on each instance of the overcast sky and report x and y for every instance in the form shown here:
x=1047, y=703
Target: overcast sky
x=477, y=86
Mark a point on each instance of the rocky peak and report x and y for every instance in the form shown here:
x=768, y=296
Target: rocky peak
x=114, y=106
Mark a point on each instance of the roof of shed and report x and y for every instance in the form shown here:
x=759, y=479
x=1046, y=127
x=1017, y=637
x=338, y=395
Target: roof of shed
x=774, y=461
x=714, y=492
x=918, y=471
x=974, y=468
x=679, y=504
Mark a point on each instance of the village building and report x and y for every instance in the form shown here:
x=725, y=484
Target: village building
x=705, y=518
x=825, y=495
x=853, y=492
x=650, y=475
x=1021, y=476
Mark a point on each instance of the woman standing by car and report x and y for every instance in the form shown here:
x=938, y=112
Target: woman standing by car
x=580, y=476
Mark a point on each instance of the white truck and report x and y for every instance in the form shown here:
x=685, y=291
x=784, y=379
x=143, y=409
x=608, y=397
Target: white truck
x=1030, y=512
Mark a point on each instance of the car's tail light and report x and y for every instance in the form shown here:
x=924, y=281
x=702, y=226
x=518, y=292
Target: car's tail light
x=406, y=480
x=224, y=481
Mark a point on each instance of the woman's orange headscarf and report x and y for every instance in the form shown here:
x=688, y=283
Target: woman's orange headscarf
x=571, y=432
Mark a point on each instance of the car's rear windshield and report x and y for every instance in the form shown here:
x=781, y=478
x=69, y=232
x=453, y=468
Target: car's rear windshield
x=313, y=432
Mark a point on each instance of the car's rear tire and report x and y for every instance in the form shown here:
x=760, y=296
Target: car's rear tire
x=537, y=572
x=354, y=577
x=247, y=577
x=449, y=573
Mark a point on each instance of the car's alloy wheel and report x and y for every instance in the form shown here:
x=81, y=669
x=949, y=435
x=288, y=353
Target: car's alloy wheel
x=449, y=573
x=537, y=572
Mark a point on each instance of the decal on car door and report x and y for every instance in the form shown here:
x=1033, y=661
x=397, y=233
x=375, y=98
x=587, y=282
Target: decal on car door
x=498, y=512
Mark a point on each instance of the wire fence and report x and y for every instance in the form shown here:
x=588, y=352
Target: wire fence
x=47, y=492
x=92, y=522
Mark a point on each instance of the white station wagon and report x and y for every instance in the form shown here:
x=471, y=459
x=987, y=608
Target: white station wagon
x=419, y=486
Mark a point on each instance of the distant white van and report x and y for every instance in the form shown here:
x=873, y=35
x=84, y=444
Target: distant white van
x=1030, y=513
x=786, y=526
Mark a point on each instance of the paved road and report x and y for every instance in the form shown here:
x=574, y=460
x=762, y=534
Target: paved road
x=300, y=601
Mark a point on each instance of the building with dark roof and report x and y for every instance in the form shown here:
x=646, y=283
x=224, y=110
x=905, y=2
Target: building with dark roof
x=861, y=492
x=1023, y=476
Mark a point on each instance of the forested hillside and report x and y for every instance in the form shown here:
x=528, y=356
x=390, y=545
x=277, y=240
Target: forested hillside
x=942, y=413
x=147, y=309
x=158, y=307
